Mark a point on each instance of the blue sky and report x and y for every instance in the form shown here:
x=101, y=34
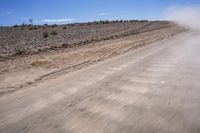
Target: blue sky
x=67, y=11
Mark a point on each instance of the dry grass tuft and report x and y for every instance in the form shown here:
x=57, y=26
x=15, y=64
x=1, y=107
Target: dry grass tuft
x=39, y=63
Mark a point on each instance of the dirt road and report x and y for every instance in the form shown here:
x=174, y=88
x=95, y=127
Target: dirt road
x=22, y=71
x=153, y=89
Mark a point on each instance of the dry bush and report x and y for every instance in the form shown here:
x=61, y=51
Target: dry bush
x=64, y=27
x=15, y=26
x=54, y=33
x=33, y=28
x=45, y=34
x=39, y=63
x=54, y=25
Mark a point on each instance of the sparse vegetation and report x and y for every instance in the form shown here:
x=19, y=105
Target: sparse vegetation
x=33, y=28
x=45, y=34
x=143, y=21
x=15, y=26
x=71, y=24
x=25, y=39
x=64, y=27
x=54, y=33
x=54, y=25
x=39, y=63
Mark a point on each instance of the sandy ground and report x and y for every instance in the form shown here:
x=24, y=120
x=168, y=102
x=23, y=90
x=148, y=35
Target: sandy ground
x=19, y=72
x=148, y=90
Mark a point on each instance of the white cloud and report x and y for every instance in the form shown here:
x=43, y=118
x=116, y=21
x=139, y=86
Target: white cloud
x=102, y=14
x=187, y=16
x=58, y=20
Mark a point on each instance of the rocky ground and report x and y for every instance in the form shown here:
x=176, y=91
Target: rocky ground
x=28, y=39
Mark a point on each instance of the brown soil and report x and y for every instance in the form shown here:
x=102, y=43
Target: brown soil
x=21, y=71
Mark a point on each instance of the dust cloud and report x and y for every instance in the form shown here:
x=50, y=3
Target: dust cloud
x=187, y=16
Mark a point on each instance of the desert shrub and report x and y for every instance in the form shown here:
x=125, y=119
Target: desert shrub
x=23, y=24
x=45, y=34
x=134, y=20
x=114, y=21
x=33, y=28
x=54, y=33
x=72, y=24
x=19, y=52
x=64, y=27
x=39, y=63
x=95, y=22
x=81, y=24
x=89, y=23
x=101, y=22
x=142, y=21
x=54, y=25
x=15, y=26
x=105, y=22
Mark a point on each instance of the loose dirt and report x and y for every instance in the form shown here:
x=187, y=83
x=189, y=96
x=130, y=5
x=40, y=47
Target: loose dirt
x=18, y=72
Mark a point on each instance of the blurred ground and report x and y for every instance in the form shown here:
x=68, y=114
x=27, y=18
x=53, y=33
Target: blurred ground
x=152, y=89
